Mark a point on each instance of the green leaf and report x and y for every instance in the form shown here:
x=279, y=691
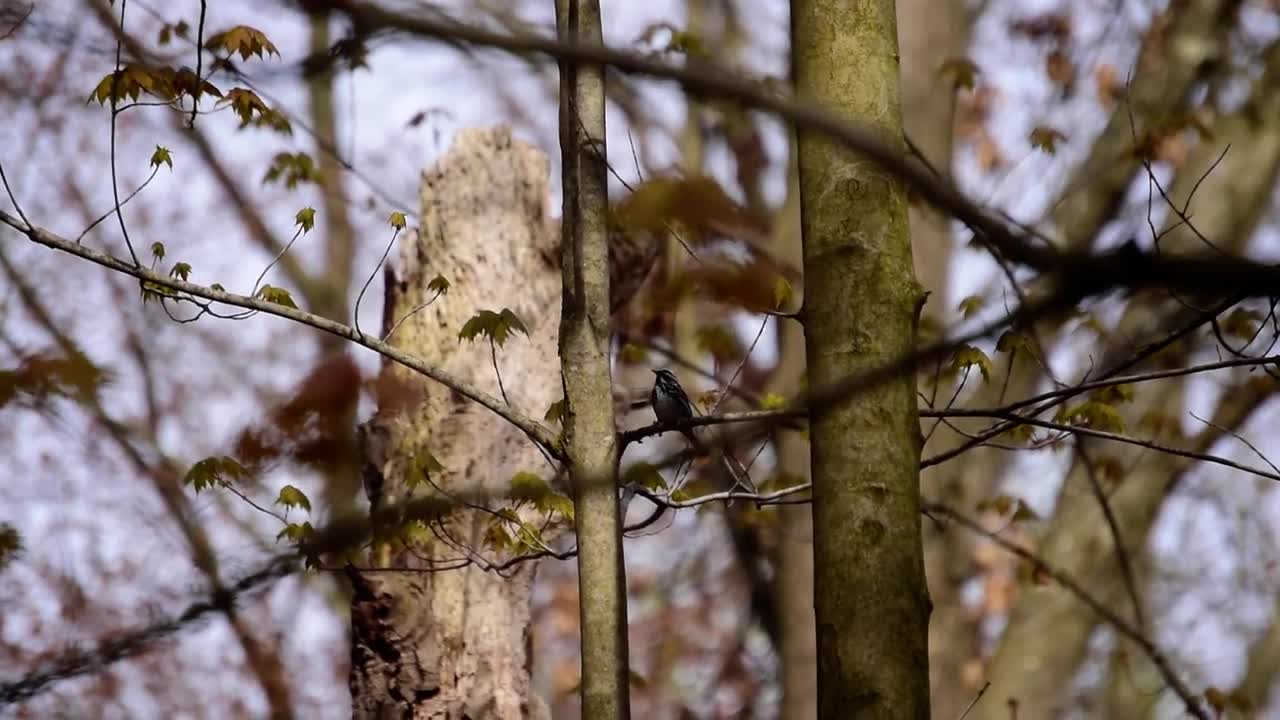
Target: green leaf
x=220, y=470
x=244, y=40
x=971, y=305
x=180, y=270
x=294, y=168
x=277, y=296
x=397, y=221
x=782, y=293
x=527, y=539
x=633, y=354
x=1241, y=323
x=292, y=497
x=1093, y=414
x=296, y=532
x=1015, y=342
x=480, y=324
x=439, y=285
x=496, y=537
x=1113, y=394
x=683, y=41
x=719, y=341
x=413, y=532
x=646, y=476
x=157, y=250
x=969, y=356
x=498, y=327
x=558, y=504
x=772, y=401
x=247, y=106
x=162, y=155
x=131, y=81
x=555, y=413
x=527, y=486
x=513, y=323
x=1021, y=433
x=306, y=217
x=423, y=466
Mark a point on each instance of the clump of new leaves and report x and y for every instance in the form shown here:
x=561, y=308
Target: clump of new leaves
x=1099, y=411
x=217, y=471
x=161, y=156
x=244, y=40
x=508, y=532
x=496, y=326
x=293, y=169
x=252, y=110
x=45, y=376
x=132, y=80
x=276, y=295
x=646, y=476
x=968, y=356
x=292, y=497
x=422, y=467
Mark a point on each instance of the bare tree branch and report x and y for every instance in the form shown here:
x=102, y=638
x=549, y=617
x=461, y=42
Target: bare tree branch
x=535, y=430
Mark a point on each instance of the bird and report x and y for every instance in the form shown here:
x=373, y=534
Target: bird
x=671, y=405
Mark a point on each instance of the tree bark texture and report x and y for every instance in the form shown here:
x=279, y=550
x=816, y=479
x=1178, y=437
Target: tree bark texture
x=454, y=643
x=861, y=308
x=590, y=435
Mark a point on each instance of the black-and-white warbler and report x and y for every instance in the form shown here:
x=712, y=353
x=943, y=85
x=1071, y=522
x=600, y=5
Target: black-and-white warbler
x=671, y=405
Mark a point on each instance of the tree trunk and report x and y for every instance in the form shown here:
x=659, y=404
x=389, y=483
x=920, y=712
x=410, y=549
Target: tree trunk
x=342, y=479
x=860, y=311
x=590, y=435
x=454, y=643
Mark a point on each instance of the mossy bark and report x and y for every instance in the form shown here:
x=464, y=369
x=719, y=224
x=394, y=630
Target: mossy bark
x=861, y=307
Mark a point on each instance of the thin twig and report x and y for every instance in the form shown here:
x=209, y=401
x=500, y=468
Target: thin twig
x=1113, y=526
x=533, y=429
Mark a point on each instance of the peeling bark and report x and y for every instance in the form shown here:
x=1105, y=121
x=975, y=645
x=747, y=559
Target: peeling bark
x=455, y=643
